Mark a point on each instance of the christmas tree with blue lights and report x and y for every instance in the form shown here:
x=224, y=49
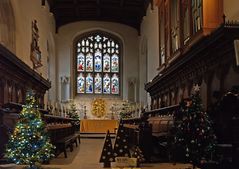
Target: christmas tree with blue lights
x=29, y=143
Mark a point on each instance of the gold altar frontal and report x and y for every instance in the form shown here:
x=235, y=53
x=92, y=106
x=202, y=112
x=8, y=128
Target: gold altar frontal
x=98, y=126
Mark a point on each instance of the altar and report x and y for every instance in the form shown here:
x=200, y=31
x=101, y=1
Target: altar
x=98, y=125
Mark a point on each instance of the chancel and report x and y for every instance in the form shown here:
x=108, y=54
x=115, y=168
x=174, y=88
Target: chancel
x=119, y=84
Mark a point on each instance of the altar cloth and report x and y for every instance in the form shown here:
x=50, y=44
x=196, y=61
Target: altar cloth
x=98, y=125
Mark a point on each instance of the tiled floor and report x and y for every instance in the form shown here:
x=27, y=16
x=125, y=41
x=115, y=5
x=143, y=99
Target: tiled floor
x=86, y=156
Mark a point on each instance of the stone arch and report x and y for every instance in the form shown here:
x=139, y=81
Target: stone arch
x=7, y=25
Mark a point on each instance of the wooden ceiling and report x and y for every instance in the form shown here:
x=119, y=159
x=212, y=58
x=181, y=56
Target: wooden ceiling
x=129, y=12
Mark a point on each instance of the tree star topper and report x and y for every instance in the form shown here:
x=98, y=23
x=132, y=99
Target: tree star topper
x=196, y=88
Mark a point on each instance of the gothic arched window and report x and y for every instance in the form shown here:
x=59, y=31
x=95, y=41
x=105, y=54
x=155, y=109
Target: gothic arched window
x=98, y=64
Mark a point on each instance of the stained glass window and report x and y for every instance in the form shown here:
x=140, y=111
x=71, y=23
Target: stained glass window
x=106, y=63
x=106, y=84
x=80, y=62
x=89, y=83
x=114, y=63
x=80, y=83
x=115, y=84
x=89, y=62
x=98, y=61
x=98, y=83
x=98, y=64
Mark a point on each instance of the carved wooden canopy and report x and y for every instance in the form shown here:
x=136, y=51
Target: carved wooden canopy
x=212, y=54
x=16, y=78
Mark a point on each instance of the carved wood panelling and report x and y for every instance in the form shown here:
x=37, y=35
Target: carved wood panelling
x=17, y=77
x=211, y=56
x=184, y=23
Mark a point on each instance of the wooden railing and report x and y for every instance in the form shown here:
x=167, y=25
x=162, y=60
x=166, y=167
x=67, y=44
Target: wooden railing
x=170, y=110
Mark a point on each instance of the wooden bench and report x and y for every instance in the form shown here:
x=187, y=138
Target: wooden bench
x=77, y=136
x=132, y=130
x=139, y=135
x=161, y=125
x=151, y=130
x=63, y=138
x=67, y=142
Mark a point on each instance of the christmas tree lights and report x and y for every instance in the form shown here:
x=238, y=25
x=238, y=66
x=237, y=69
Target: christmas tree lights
x=73, y=112
x=29, y=143
x=74, y=115
x=193, y=131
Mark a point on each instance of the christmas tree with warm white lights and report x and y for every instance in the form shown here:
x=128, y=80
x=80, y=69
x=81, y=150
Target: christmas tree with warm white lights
x=73, y=112
x=29, y=143
x=193, y=131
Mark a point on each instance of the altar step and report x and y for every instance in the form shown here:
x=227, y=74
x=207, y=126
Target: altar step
x=95, y=135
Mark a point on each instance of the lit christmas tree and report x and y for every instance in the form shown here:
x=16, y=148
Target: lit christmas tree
x=193, y=131
x=121, y=147
x=73, y=114
x=73, y=111
x=107, y=153
x=29, y=143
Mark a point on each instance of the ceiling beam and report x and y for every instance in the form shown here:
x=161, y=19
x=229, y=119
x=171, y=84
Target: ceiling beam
x=76, y=8
x=98, y=8
x=82, y=6
x=123, y=8
x=129, y=12
x=130, y=22
x=121, y=3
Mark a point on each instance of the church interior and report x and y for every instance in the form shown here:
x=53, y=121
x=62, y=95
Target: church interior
x=121, y=84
